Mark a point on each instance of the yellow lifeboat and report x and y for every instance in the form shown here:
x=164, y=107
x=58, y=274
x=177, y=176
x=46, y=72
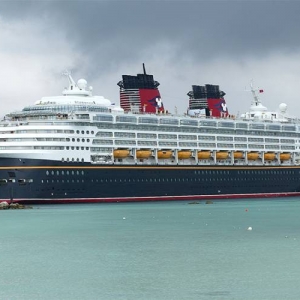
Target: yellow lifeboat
x=164, y=154
x=222, y=155
x=285, y=156
x=121, y=153
x=252, y=155
x=143, y=153
x=238, y=154
x=203, y=154
x=269, y=156
x=184, y=154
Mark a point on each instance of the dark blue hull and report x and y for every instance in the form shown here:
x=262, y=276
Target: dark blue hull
x=37, y=181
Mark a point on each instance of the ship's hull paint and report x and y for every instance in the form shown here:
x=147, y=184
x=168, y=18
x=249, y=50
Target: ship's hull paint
x=42, y=181
x=152, y=199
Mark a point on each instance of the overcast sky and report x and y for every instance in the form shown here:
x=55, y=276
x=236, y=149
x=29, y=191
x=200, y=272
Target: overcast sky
x=182, y=43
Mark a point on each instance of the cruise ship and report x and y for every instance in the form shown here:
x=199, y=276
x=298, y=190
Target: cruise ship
x=79, y=148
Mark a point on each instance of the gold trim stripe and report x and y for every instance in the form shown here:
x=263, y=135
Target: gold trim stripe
x=153, y=167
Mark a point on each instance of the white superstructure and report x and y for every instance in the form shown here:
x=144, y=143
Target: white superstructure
x=80, y=127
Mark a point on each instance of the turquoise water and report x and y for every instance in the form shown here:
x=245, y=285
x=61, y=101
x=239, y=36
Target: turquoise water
x=160, y=250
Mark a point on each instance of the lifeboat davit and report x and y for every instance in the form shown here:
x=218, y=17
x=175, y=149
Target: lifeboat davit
x=222, y=155
x=184, y=154
x=285, y=156
x=203, y=154
x=269, y=156
x=164, y=154
x=118, y=153
x=238, y=154
x=252, y=155
x=143, y=153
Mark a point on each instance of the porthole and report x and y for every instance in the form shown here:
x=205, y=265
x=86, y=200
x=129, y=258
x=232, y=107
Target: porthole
x=47, y=173
x=82, y=132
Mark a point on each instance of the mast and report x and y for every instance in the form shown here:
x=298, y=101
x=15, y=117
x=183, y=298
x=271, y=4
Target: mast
x=255, y=96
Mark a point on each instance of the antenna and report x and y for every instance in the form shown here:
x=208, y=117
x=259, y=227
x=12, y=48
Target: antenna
x=253, y=91
x=68, y=74
x=144, y=69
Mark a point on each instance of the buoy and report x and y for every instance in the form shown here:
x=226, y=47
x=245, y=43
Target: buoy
x=249, y=228
x=246, y=209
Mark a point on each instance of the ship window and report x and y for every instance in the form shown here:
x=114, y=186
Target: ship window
x=168, y=121
x=126, y=119
x=77, y=131
x=189, y=122
x=92, y=132
x=3, y=181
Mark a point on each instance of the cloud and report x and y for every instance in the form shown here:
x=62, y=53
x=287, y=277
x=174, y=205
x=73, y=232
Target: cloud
x=182, y=43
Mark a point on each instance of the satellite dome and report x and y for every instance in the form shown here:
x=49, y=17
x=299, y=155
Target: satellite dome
x=82, y=83
x=283, y=107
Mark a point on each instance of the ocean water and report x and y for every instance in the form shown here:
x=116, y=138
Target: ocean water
x=158, y=250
